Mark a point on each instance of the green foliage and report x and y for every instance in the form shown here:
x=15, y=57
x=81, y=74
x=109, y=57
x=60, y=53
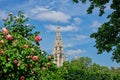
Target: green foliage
x=79, y=70
x=81, y=63
x=20, y=56
x=76, y=1
x=107, y=37
x=93, y=4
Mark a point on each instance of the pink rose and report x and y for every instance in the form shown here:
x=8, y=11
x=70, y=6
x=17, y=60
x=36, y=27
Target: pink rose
x=38, y=38
x=35, y=58
x=22, y=78
x=15, y=61
x=9, y=37
x=18, y=64
x=4, y=31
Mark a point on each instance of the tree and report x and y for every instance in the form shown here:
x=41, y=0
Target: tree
x=79, y=70
x=20, y=55
x=107, y=37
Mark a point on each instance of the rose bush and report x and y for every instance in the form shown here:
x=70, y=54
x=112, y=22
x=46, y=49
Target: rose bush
x=20, y=55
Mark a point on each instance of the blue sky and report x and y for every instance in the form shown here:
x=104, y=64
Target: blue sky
x=76, y=25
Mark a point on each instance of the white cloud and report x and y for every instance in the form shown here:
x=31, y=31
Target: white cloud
x=44, y=14
x=79, y=37
x=62, y=28
x=96, y=24
x=68, y=45
x=74, y=52
x=3, y=14
x=50, y=4
x=77, y=21
x=69, y=7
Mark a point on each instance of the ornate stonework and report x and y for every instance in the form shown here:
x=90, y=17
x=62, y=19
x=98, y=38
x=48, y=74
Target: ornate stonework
x=58, y=49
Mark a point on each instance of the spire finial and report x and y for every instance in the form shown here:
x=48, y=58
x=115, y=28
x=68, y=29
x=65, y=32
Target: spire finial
x=58, y=27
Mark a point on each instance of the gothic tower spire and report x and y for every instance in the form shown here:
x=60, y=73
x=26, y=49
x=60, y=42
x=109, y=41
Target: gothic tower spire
x=58, y=49
x=66, y=57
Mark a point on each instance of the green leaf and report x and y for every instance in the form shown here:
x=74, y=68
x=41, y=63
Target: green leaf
x=8, y=65
x=5, y=70
x=76, y=1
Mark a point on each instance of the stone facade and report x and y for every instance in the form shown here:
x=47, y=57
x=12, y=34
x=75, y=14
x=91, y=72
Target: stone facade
x=58, y=52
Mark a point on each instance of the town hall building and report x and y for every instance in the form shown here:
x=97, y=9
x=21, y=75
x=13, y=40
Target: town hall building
x=58, y=50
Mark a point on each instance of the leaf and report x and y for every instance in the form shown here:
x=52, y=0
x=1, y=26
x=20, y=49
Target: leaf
x=22, y=66
x=8, y=65
x=76, y=1
x=5, y=70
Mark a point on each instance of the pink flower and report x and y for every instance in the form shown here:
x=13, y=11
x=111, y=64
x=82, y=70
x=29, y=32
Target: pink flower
x=22, y=78
x=9, y=37
x=4, y=31
x=18, y=64
x=27, y=24
x=15, y=61
x=35, y=58
x=38, y=38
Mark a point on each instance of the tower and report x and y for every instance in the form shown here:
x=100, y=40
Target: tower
x=58, y=49
x=66, y=57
